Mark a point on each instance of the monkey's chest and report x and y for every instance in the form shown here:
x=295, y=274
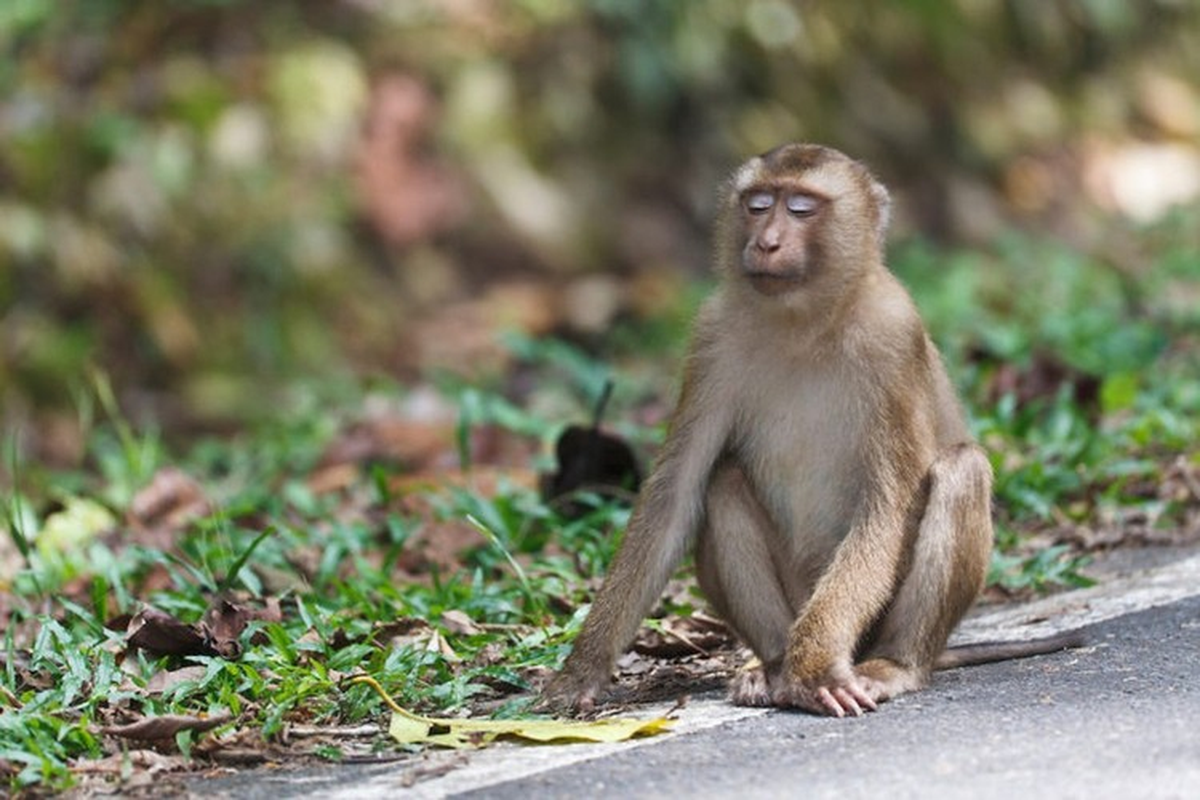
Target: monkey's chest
x=801, y=448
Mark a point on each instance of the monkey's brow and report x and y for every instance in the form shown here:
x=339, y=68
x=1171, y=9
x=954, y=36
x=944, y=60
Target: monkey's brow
x=782, y=184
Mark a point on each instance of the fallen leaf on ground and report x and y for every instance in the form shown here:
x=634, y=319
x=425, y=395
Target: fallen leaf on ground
x=437, y=547
x=417, y=634
x=166, y=726
x=160, y=682
x=413, y=444
x=681, y=636
x=334, y=478
x=485, y=481
x=224, y=622
x=459, y=623
x=165, y=507
x=161, y=634
x=409, y=728
x=151, y=762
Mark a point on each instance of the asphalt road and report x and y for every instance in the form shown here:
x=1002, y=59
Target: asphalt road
x=1118, y=718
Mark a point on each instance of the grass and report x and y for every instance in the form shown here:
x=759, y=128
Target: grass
x=332, y=558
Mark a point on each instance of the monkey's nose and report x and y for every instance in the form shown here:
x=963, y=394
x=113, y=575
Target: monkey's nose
x=767, y=243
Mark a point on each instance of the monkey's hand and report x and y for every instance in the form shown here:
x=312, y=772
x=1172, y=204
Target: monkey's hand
x=837, y=692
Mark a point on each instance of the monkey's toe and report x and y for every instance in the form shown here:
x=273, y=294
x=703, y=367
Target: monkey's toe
x=750, y=687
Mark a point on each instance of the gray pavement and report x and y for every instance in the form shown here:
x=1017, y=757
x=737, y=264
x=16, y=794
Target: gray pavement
x=1118, y=718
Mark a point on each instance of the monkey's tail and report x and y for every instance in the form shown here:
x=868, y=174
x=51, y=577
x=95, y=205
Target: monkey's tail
x=987, y=652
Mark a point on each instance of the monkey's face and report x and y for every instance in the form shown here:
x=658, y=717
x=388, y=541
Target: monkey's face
x=781, y=223
x=800, y=223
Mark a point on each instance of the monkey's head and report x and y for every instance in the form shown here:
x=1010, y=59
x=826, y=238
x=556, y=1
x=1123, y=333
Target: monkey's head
x=801, y=219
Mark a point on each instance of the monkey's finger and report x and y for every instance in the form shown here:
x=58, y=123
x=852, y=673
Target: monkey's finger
x=847, y=700
x=865, y=700
x=830, y=703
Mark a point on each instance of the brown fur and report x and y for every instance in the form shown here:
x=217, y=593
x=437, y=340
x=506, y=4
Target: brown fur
x=818, y=456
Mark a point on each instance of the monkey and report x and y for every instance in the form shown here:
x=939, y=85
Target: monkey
x=818, y=460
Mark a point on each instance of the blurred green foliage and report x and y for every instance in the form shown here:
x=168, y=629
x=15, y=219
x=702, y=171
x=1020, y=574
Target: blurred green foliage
x=177, y=196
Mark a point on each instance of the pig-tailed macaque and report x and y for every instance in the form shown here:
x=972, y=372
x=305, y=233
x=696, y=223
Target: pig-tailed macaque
x=818, y=460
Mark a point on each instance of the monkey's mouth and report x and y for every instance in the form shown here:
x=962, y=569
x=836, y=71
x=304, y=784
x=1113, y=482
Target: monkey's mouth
x=774, y=283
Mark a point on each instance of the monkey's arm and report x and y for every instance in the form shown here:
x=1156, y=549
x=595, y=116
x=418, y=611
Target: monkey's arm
x=663, y=523
x=860, y=580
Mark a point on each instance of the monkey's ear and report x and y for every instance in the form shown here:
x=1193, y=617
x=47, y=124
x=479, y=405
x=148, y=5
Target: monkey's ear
x=883, y=205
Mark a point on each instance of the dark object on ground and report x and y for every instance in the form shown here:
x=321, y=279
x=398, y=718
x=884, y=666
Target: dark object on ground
x=591, y=460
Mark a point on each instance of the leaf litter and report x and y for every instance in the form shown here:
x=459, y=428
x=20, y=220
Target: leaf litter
x=409, y=728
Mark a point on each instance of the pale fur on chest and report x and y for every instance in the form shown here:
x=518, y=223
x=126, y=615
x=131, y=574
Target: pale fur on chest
x=793, y=434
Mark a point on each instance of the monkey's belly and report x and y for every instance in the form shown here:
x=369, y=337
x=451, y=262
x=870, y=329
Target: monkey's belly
x=810, y=493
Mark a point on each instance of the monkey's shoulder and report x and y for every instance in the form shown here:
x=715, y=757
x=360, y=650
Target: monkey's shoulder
x=886, y=305
x=886, y=328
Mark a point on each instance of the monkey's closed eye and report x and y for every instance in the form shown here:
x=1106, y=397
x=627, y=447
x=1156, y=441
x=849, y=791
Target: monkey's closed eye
x=802, y=204
x=758, y=202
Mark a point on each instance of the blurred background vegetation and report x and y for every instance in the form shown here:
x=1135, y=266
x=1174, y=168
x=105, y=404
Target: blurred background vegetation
x=394, y=246
x=208, y=201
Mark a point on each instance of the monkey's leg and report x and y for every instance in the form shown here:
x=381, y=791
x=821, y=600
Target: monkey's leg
x=948, y=567
x=736, y=569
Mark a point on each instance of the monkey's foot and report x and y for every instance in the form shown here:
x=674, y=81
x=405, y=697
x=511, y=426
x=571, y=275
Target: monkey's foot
x=750, y=687
x=884, y=679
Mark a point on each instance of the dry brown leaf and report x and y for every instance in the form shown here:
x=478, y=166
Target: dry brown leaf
x=165, y=727
x=163, y=680
x=147, y=762
x=403, y=631
x=681, y=636
x=333, y=478
x=458, y=622
x=490, y=654
x=165, y=506
x=413, y=444
x=438, y=545
x=414, y=491
x=224, y=622
x=417, y=634
x=161, y=634
x=437, y=644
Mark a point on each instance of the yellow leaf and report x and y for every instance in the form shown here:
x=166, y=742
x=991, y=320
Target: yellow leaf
x=409, y=728
x=79, y=522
